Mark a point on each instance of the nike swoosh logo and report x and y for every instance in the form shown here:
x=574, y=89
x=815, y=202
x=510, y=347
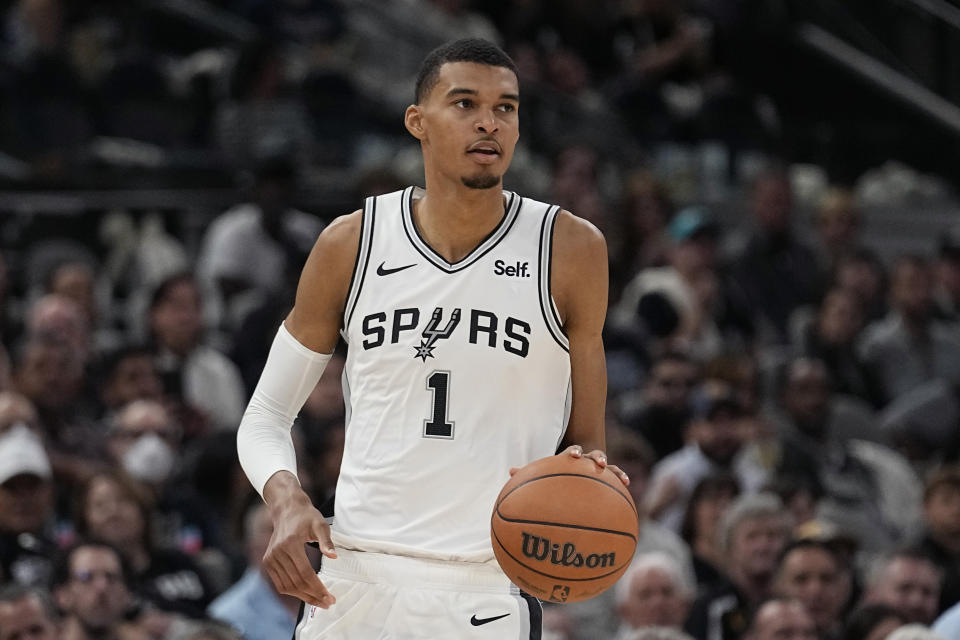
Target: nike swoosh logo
x=382, y=271
x=475, y=621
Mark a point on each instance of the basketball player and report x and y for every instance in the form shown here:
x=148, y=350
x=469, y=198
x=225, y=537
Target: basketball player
x=473, y=320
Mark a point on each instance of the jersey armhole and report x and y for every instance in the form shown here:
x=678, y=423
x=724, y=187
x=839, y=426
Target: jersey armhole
x=547, y=306
x=368, y=215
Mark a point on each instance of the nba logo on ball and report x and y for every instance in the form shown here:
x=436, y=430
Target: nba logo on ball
x=564, y=530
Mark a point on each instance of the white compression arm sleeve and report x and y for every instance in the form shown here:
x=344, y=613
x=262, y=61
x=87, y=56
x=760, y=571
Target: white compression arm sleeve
x=264, y=443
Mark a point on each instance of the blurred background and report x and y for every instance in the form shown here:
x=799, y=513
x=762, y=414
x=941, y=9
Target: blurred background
x=777, y=183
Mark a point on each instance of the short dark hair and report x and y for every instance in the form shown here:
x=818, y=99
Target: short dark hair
x=715, y=483
x=61, y=567
x=808, y=544
x=465, y=50
x=112, y=360
x=163, y=289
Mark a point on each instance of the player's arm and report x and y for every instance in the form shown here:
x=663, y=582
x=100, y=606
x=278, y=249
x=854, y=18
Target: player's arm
x=296, y=361
x=579, y=284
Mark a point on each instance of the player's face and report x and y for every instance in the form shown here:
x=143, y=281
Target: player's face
x=468, y=124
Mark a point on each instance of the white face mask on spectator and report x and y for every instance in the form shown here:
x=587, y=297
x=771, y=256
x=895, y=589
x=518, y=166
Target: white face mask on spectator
x=150, y=459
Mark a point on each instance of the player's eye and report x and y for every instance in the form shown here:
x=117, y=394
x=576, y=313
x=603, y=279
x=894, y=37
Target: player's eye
x=507, y=107
x=464, y=103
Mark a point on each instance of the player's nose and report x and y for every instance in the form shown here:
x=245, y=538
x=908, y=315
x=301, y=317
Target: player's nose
x=486, y=122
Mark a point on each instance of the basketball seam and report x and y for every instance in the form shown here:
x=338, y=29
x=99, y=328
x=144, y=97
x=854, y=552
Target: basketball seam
x=562, y=524
x=578, y=475
x=549, y=575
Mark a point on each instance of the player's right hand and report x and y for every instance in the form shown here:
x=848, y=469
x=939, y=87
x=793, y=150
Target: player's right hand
x=297, y=522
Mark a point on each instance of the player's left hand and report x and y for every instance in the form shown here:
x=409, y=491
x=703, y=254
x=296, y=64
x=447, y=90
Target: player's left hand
x=576, y=451
x=600, y=458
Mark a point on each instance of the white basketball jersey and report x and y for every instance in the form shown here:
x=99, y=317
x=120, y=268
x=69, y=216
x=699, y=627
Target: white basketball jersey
x=455, y=372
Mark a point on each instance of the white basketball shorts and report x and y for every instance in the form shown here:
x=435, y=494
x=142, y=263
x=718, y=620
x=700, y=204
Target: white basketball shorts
x=387, y=597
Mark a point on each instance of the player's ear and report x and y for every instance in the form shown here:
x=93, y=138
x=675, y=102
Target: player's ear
x=413, y=120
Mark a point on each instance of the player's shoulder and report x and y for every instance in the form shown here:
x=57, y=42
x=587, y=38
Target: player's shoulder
x=342, y=229
x=577, y=237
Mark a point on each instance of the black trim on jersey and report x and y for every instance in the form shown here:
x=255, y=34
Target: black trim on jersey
x=510, y=215
x=546, y=304
x=536, y=615
x=303, y=606
x=366, y=240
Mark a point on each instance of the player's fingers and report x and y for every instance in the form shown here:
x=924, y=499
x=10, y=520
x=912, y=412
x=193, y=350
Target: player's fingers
x=513, y=470
x=574, y=450
x=306, y=582
x=599, y=457
x=325, y=542
x=280, y=576
x=620, y=473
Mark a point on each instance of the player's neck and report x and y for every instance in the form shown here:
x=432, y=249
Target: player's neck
x=454, y=219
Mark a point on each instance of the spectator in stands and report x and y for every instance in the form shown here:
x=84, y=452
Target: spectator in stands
x=715, y=441
x=753, y=533
x=114, y=508
x=909, y=347
x=77, y=280
x=775, y=272
x=871, y=622
x=91, y=587
x=832, y=338
x=863, y=273
x=708, y=502
x=200, y=377
x=660, y=411
x=782, y=619
x=46, y=372
x=646, y=209
x=261, y=110
x=17, y=409
x=810, y=572
x=663, y=48
x=126, y=374
x=839, y=223
x=861, y=486
x=48, y=103
x=654, y=592
x=59, y=316
x=575, y=183
x=941, y=538
x=26, y=613
x=694, y=286
x=253, y=252
x=253, y=606
x=144, y=440
x=907, y=581
x=26, y=507
x=947, y=277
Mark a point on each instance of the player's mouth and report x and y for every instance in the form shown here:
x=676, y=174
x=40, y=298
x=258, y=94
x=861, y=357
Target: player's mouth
x=484, y=152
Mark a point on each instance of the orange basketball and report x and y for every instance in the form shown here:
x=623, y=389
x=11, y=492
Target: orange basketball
x=563, y=530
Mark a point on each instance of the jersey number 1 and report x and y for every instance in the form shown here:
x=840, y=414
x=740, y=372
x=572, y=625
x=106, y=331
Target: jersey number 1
x=438, y=425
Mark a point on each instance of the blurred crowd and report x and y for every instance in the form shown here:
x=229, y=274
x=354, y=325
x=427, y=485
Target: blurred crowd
x=782, y=393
